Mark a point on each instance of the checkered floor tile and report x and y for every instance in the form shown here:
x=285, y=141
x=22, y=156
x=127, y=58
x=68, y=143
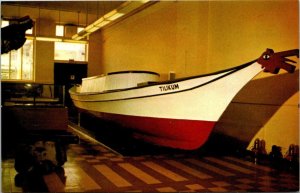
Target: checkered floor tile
x=92, y=167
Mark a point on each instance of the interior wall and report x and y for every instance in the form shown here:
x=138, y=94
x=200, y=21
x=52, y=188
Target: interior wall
x=197, y=37
x=162, y=38
x=239, y=31
x=144, y=41
x=204, y=36
x=95, y=54
x=44, y=62
x=267, y=108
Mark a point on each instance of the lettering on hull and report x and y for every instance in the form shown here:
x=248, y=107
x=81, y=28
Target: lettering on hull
x=169, y=87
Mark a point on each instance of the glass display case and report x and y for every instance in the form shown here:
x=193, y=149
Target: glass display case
x=32, y=94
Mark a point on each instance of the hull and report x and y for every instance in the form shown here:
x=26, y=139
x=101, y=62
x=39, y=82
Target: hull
x=175, y=133
x=178, y=114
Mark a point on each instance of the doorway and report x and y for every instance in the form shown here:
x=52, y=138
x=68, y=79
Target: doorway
x=68, y=75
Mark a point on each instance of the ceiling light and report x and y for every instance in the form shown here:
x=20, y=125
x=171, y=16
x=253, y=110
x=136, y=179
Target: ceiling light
x=75, y=41
x=98, y=21
x=113, y=15
x=54, y=39
x=105, y=22
x=92, y=28
x=49, y=39
x=125, y=8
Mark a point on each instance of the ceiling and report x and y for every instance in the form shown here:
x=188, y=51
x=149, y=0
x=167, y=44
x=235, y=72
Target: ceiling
x=90, y=7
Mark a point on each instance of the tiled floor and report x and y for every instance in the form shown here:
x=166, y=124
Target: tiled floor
x=92, y=167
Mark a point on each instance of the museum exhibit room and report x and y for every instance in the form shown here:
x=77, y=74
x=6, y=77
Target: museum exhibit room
x=150, y=96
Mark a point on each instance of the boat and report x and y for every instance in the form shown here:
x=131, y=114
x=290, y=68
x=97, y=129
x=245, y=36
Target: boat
x=179, y=113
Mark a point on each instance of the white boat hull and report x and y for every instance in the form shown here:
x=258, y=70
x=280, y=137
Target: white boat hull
x=203, y=98
x=179, y=114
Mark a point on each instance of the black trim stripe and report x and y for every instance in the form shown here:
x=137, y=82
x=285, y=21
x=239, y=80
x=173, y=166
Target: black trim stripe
x=133, y=71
